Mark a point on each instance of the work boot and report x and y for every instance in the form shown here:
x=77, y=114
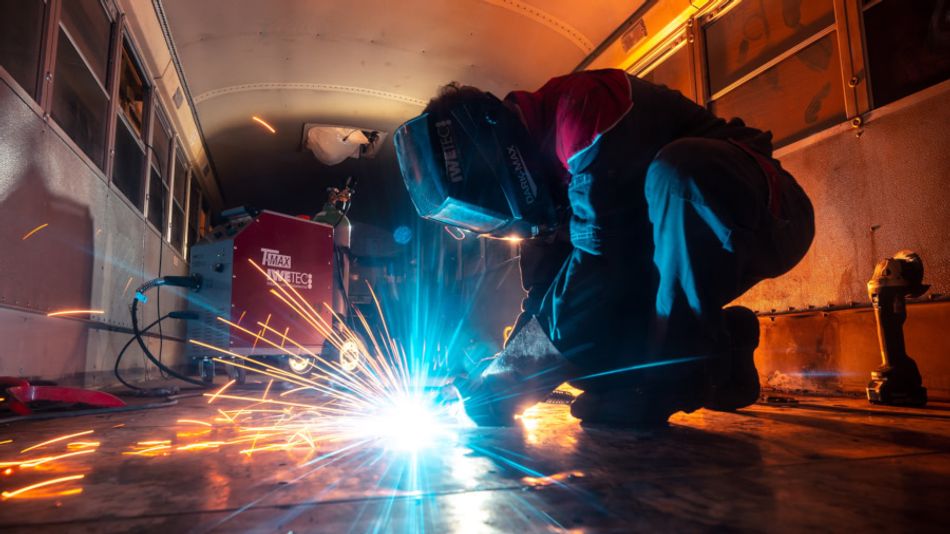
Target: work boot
x=741, y=387
x=640, y=406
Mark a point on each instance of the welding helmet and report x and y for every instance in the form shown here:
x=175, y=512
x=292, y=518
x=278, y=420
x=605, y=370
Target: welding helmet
x=473, y=166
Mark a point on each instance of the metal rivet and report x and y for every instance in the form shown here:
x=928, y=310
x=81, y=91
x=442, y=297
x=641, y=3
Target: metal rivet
x=853, y=82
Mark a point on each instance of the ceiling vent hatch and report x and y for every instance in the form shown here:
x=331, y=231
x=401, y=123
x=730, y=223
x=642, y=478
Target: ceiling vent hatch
x=333, y=144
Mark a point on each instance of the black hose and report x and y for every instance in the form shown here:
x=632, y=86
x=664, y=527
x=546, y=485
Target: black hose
x=148, y=353
x=125, y=347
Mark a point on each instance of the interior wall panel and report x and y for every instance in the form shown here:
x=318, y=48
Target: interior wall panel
x=873, y=195
x=91, y=254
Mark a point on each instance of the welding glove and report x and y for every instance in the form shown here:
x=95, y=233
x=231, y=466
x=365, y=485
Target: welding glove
x=521, y=375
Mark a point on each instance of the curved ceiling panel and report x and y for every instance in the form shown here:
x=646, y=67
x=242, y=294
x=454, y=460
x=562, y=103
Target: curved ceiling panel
x=371, y=63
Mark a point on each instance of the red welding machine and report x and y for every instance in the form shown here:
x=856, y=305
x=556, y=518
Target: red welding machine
x=295, y=250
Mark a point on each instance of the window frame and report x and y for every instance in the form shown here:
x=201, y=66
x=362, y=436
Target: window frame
x=848, y=25
x=677, y=42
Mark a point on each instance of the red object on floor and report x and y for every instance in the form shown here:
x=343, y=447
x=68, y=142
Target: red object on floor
x=20, y=393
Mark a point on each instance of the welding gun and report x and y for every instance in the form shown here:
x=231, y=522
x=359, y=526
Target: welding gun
x=526, y=372
x=897, y=381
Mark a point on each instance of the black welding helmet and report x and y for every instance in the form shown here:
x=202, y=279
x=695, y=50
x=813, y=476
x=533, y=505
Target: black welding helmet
x=473, y=166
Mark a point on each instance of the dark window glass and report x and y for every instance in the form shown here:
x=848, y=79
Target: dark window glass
x=181, y=180
x=194, y=203
x=161, y=147
x=79, y=102
x=129, y=167
x=156, y=200
x=178, y=226
x=674, y=73
x=21, y=30
x=132, y=91
x=908, y=47
x=204, y=218
x=800, y=95
x=90, y=28
x=755, y=31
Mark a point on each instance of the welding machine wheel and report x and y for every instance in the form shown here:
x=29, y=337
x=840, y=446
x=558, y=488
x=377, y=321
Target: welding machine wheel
x=238, y=374
x=300, y=365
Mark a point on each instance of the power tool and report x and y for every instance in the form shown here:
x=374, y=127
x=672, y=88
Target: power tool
x=897, y=381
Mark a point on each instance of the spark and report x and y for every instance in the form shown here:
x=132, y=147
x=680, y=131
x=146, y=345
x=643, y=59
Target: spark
x=47, y=459
x=264, y=123
x=62, y=313
x=82, y=444
x=33, y=231
x=4, y=442
x=221, y=390
x=21, y=491
x=147, y=450
x=54, y=440
x=126, y=288
x=194, y=422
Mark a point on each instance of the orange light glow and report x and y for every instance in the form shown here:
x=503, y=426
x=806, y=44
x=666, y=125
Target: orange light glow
x=552, y=479
x=25, y=489
x=33, y=231
x=8, y=471
x=74, y=312
x=264, y=123
x=4, y=442
x=60, y=438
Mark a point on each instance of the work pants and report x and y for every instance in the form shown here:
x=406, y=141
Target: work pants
x=670, y=249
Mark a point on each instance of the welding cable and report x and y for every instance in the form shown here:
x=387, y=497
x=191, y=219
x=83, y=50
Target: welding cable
x=125, y=347
x=193, y=282
x=150, y=356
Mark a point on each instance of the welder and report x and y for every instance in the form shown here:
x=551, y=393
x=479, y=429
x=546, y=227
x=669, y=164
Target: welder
x=643, y=215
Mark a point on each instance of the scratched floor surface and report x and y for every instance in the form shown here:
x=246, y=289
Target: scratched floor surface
x=824, y=464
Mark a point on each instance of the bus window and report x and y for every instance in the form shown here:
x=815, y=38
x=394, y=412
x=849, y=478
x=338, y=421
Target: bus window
x=674, y=72
x=753, y=33
x=21, y=30
x=179, y=187
x=128, y=172
x=908, y=47
x=158, y=176
x=798, y=96
x=80, y=97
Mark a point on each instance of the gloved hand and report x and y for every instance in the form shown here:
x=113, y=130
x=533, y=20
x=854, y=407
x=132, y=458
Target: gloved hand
x=521, y=375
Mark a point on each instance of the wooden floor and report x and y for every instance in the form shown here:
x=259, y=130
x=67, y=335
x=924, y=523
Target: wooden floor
x=822, y=464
